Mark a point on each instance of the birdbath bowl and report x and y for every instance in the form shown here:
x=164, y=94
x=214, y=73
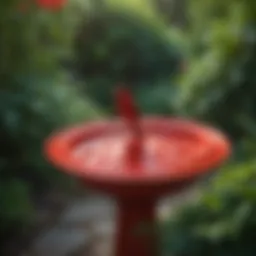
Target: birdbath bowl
x=137, y=160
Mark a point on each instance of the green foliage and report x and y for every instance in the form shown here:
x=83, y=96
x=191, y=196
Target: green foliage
x=222, y=222
x=36, y=97
x=14, y=203
x=30, y=108
x=126, y=43
x=219, y=84
x=219, y=87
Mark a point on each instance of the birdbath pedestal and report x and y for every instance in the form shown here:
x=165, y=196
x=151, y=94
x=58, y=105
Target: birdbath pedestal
x=137, y=160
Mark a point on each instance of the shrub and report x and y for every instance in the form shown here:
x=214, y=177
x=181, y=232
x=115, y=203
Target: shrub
x=219, y=87
x=35, y=98
x=222, y=222
x=219, y=84
x=128, y=45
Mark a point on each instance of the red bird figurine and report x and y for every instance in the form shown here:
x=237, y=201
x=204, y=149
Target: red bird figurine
x=128, y=110
x=126, y=105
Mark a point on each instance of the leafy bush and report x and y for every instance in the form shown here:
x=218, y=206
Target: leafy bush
x=222, y=222
x=127, y=45
x=219, y=84
x=35, y=99
x=219, y=87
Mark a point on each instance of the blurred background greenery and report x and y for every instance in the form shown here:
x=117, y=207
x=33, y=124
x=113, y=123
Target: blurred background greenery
x=180, y=57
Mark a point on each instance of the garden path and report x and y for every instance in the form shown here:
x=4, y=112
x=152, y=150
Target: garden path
x=86, y=226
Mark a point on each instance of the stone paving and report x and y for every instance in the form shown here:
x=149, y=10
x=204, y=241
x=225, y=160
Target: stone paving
x=86, y=227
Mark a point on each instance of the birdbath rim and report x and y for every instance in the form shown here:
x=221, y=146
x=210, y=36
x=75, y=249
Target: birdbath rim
x=59, y=151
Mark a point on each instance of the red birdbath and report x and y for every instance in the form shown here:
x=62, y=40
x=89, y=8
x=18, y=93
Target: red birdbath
x=137, y=160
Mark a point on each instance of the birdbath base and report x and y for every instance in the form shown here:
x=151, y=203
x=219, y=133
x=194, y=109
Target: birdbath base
x=136, y=228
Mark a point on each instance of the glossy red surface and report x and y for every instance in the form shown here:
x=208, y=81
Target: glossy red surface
x=172, y=149
x=166, y=156
x=126, y=105
x=137, y=161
